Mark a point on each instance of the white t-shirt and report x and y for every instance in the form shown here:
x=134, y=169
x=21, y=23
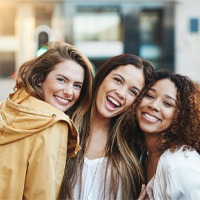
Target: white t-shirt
x=177, y=177
x=93, y=175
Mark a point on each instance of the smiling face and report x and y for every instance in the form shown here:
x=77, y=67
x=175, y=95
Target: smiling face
x=119, y=90
x=62, y=86
x=157, y=108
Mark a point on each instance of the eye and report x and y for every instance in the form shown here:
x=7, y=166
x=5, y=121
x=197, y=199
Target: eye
x=78, y=86
x=61, y=80
x=149, y=96
x=118, y=80
x=134, y=92
x=168, y=104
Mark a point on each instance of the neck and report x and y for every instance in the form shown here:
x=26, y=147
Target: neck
x=153, y=153
x=152, y=144
x=100, y=121
x=98, y=138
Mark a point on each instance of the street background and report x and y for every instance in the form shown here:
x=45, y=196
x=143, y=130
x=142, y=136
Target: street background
x=165, y=32
x=6, y=86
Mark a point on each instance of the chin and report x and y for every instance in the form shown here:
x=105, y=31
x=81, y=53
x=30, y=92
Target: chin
x=60, y=108
x=147, y=130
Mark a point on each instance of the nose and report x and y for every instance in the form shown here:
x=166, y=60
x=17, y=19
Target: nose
x=121, y=93
x=68, y=90
x=154, y=105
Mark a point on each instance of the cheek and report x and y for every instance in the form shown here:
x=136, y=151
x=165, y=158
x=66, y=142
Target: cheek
x=107, y=86
x=129, y=102
x=144, y=102
x=49, y=85
x=102, y=89
x=170, y=117
x=99, y=96
x=77, y=95
x=45, y=91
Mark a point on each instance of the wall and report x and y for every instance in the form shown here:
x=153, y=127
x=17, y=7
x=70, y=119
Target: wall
x=187, y=45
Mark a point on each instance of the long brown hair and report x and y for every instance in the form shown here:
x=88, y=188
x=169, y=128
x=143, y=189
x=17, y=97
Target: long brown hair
x=120, y=152
x=32, y=73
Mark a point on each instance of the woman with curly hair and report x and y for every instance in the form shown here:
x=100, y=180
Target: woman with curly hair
x=36, y=133
x=168, y=123
x=107, y=166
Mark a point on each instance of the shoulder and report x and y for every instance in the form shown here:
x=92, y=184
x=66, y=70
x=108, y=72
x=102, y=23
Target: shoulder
x=36, y=110
x=28, y=103
x=181, y=159
x=178, y=175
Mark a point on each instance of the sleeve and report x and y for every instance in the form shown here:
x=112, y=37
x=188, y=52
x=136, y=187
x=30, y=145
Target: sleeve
x=47, y=163
x=183, y=183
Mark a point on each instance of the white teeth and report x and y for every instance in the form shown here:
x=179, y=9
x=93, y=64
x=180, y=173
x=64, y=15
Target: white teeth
x=150, y=118
x=62, y=99
x=114, y=101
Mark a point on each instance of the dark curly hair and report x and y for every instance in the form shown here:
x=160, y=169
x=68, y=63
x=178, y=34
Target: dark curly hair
x=185, y=128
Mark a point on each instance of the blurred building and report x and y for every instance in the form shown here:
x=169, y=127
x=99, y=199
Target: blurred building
x=166, y=32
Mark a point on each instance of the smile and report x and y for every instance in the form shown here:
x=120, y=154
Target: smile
x=114, y=101
x=150, y=117
x=62, y=100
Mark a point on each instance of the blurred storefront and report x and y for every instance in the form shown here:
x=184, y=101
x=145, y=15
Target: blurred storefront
x=154, y=30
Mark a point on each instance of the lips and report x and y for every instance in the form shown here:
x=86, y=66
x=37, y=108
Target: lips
x=150, y=118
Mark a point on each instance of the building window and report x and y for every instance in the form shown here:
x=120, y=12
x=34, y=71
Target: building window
x=151, y=37
x=98, y=33
x=194, y=25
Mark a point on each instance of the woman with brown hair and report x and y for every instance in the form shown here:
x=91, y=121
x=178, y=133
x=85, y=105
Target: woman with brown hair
x=36, y=135
x=107, y=167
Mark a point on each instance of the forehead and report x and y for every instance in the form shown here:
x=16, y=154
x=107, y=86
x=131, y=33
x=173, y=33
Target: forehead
x=165, y=87
x=68, y=64
x=69, y=68
x=127, y=70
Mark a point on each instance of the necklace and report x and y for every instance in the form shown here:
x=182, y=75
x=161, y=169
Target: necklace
x=154, y=153
x=93, y=178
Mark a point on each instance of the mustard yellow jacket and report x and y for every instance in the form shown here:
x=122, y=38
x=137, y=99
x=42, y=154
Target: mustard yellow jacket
x=35, y=140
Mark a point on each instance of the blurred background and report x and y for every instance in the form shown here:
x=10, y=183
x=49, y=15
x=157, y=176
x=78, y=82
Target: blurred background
x=166, y=32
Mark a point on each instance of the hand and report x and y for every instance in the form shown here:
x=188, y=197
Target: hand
x=142, y=192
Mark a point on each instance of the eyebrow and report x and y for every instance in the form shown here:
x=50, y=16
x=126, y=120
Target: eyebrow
x=79, y=82
x=168, y=96
x=124, y=81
